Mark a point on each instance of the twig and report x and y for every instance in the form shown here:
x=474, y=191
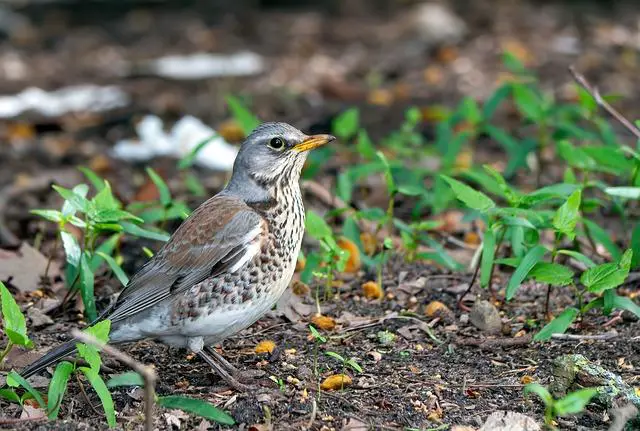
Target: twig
x=13, y=421
x=314, y=412
x=84, y=394
x=576, y=337
x=582, y=81
x=147, y=373
x=490, y=343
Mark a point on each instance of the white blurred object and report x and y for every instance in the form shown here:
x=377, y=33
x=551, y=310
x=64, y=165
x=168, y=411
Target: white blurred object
x=185, y=135
x=205, y=65
x=78, y=98
x=437, y=24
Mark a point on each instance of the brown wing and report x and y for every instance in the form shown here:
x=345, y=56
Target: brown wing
x=210, y=242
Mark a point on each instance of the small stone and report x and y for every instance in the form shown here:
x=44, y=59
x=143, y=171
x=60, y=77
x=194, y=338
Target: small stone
x=509, y=421
x=484, y=316
x=38, y=318
x=464, y=318
x=436, y=24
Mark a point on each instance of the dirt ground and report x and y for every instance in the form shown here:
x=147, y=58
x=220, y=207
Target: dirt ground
x=435, y=373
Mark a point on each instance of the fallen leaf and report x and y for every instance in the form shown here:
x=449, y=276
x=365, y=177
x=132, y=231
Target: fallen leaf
x=300, y=264
x=353, y=262
x=471, y=238
x=31, y=411
x=438, y=309
x=324, y=322
x=292, y=307
x=299, y=288
x=372, y=290
x=24, y=267
x=380, y=97
x=231, y=131
x=526, y=379
x=369, y=243
x=335, y=382
x=265, y=346
x=100, y=164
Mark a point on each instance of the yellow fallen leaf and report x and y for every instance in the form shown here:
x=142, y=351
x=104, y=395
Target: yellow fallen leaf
x=372, y=290
x=353, y=262
x=299, y=288
x=436, y=309
x=336, y=381
x=380, y=97
x=300, y=264
x=323, y=322
x=369, y=243
x=265, y=346
x=526, y=379
x=231, y=131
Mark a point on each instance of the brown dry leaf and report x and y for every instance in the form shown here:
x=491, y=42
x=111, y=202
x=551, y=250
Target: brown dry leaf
x=336, y=382
x=437, y=309
x=464, y=159
x=353, y=262
x=292, y=307
x=520, y=333
x=471, y=238
x=24, y=267
x=380, y=97
x=324, y=322
x=30, y=410
x=148, y=192
x=433, y=75
x=100, y=164
x=265, y=346
x=526, y=379
x=231, y=131
x=20, y=131
x=369, y=243
x=299, y=288
x=300, y=264
x=372, y=290
x=452, y=222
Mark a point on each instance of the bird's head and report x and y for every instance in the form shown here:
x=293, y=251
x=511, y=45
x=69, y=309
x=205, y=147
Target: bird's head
x=275, y=152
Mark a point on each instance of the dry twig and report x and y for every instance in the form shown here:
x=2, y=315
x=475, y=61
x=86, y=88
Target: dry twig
x=147, y=373
x=576, y=337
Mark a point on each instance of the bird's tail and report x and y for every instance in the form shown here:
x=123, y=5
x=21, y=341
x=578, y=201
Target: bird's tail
x=51, y=357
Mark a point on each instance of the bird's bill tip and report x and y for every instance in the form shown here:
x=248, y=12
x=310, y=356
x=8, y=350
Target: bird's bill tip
x=313, y=141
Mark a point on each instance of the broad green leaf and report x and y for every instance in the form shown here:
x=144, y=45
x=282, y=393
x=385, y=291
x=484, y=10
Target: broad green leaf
x=242, y=114
x=558, y=325
x=454, y=148
x=10, y=395
x=197, y=407
x=346, y=124
x=163, y=189
x=12, y=319
x=528, y=102
x=513, y=63
x=114, y=216
x=317, y=227
x=75, y=199
x=117, y=270
x=624, y=192
x=567, y=216
x=540, y=391
x=473, y=199
x=353, y=364
x=608, y=159
x=574, y=402
x=624, y=303
x=512, y=195
x=103, y=393
x=411, y=189
x=575, y=156
x=95, y=180
x=388, y=178
x=527, y=263
x=608, y=275
x=71, y=248
x=551, y=273
x=365, y=146
x=51, y=215
x=494, y=101
x=488, y=254
x=105, y=200
x=86, y=289
x=57, y=388
x=608, y=298
x=15, y=380
x=344, y=187
x=141, y=232
x=579, y=257
x=635, y=246
x=130, y=378
x=89, y=352
x=602, y=236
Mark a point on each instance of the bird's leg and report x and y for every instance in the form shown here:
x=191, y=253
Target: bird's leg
x=238, y=374
x=228, y=378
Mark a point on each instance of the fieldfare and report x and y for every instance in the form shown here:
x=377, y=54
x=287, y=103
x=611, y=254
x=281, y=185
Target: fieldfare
x=227, y=264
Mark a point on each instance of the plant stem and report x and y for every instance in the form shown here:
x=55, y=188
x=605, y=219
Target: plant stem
x=6, y=351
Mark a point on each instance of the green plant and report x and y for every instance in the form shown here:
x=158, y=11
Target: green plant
x=351, y=362
x=571, y=404
x=13, y=323
x=96, y=217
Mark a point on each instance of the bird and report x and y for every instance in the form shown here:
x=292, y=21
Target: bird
x=227, y=264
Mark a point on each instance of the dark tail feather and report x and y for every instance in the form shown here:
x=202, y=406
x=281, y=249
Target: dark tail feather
x=51, y=357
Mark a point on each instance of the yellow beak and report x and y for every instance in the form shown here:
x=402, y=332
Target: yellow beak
x=312, y=142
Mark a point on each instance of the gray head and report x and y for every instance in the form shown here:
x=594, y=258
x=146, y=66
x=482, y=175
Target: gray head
x=273, y=153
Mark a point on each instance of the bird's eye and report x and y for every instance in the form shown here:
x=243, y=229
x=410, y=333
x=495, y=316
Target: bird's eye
x=276, y=143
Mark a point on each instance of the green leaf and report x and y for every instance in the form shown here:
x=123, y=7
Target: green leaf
x=575, y=156
x=189, y=158
x=197, y=407
x=566, y=218
x=242, y=115
x=163, y=189
x=624, y=192
x=117, y=270
x=103, y=393
x=51, y=215
x=114, y=216
x=335, y=355
x=353, y=364
x=138, y=231
x=90, y=352
x=473, y=199
x=95, y=180
x=345, y=125
x=57, y=388
x=86, y=289
x=75, y=198
x=130, y=378
x=551, y=273
x=608, y=275
x=411, y=190
x=527, y=263
x=317, y=227
x=488, y=255
x=624, y=303
x=105, y=200
x=194, y=185
x=494, y=101
x=513, y=63
x=388, y=177
x=574, y=402
x=107, y=247
x=10, y=395
x=579, y=257
x=344, y=186
x=602, y=236
x=540, y=391
x=15, y=380
x=635, y=246
x=315, y=334
x=12, y=319
x=558, y=325
x=365, y=146
x=528, y=102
